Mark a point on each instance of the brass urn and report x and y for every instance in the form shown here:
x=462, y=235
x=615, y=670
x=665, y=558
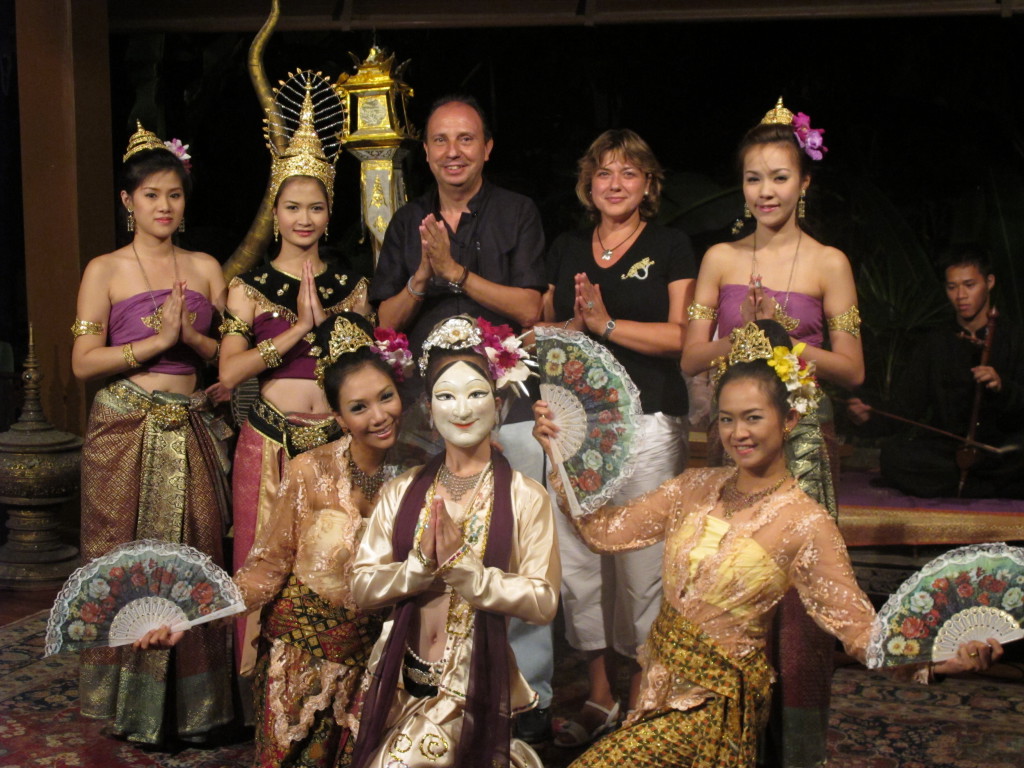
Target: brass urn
x=39, y=472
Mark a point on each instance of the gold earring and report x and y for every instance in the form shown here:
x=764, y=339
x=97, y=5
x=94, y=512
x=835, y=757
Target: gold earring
x=786, y=433
x=181, y=226
x=801, y=207
x=277, y=233
x=131, y=220
x=325, y=233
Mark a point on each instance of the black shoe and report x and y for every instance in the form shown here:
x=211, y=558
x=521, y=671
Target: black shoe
x=534, y=725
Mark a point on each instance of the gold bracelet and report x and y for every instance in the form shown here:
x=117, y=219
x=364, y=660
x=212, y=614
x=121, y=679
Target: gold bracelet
x=216, y=355
x=271, y=357
x=700, y=312
x=849, y=321
x=86, y=328
x=129, y=356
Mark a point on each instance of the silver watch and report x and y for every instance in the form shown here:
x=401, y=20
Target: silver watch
x=609, y=327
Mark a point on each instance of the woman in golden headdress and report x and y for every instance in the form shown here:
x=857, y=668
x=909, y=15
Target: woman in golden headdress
x=780, y=271
x=272, y=308
x=150, y=468
x=736, y=538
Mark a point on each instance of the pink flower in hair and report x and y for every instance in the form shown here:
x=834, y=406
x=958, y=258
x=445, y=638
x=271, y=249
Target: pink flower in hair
x=810, y=139
x=393, y=348
x=180, y=151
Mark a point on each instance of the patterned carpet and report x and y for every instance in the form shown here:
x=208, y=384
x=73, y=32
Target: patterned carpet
x=875, y=723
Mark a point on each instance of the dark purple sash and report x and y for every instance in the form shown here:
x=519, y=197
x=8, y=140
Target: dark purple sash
x=486, y=725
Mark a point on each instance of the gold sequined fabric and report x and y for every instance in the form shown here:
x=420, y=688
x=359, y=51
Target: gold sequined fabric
x=719, y=733
x=848, y=321
x=142, y=478
x=701, y=312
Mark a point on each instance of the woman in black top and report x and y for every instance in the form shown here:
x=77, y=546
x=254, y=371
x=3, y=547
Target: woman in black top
x=627, y=282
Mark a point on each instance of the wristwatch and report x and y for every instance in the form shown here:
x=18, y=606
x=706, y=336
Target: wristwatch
x=607, y=330
x=455, y=286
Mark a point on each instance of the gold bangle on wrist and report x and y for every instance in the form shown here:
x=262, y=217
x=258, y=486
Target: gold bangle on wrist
x=129, y=356
x=701, y=312
x=271, y=357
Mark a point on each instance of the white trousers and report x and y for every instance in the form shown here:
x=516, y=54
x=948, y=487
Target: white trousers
x=610, y=601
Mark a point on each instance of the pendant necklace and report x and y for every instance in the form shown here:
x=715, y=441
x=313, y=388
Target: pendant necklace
x=781, y=315
x=456, y=486
x=364, y=481
x=607, y=253
x=154, y=321
x=734, y=500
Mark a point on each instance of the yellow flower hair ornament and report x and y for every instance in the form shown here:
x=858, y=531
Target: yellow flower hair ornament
x=798, y=376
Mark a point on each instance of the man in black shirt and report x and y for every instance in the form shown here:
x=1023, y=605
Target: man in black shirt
x=939, y=384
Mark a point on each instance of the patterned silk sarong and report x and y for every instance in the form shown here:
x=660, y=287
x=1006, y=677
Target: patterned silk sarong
x=146, y=473
x=719, y=733
x=311, y=660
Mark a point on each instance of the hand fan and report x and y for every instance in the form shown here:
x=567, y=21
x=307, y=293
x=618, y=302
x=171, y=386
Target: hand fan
x=971, y=593
x=597, y=409
x=142, y=585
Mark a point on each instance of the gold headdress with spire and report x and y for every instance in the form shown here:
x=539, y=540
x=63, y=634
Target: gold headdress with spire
x=142, y=140
x=778, y=115
x=307, y=119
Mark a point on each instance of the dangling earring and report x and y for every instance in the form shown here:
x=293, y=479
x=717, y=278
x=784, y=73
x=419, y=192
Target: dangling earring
x=131, y=220
x=786, y=433
x=325, y=233
x=801, y=207
x=181, y=227
x=737, y=226
x=277, y=233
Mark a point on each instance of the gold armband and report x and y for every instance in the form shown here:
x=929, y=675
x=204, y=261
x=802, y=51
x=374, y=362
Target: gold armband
x=849, y=321
x=271, y=357
x=86, y=328
x=700, y=312
x=232, y=326
x=129, y=356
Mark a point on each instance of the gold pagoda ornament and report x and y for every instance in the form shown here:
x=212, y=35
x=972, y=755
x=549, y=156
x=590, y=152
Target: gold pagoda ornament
x=378, y=133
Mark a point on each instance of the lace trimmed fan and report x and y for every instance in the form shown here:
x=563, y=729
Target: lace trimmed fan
x=139, y=586
x=597, y=409
x=971, y=593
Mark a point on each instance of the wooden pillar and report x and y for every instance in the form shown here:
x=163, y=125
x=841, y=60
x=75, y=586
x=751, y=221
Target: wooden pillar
x=67, y=178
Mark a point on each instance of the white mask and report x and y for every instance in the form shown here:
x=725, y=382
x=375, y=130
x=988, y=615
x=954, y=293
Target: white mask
x=462, y=405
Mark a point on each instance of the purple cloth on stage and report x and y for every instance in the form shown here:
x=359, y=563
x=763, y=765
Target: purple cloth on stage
x=296, y=363
x=806, y=309
x=127, y=326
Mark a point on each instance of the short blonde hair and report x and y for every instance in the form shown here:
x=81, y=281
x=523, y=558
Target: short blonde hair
x=632, y=149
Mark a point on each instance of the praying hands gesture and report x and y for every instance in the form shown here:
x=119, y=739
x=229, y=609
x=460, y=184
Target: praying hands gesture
x=757, y=305
x=589, y=306
x=437, y=249
x=441, y=538
x=311, y=311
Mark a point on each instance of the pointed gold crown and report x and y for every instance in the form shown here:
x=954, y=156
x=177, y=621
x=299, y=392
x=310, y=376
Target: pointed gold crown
x=142, y=140
x=747, y=344
x=778, y=115
x=345, y=337
x=305, y=154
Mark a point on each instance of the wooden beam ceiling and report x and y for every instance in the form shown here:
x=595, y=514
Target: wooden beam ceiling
x=248, y=15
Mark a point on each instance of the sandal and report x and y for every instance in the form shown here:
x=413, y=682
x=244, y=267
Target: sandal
x=570, y=734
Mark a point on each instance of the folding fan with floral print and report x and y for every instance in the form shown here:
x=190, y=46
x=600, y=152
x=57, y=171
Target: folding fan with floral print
x=596, y=407
x=139, y=586
x=970, y=593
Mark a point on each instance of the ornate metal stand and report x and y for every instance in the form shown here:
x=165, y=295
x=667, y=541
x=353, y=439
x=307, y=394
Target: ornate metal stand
x=39, y=471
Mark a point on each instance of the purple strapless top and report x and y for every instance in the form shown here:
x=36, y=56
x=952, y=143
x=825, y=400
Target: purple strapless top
x=127, y=326
x=806, y=309
x=296, y=363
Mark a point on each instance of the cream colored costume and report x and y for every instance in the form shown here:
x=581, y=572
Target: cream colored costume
x=425, y=731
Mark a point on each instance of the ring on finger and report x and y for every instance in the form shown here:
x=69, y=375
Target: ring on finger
x=973, y=654
x=590, y=305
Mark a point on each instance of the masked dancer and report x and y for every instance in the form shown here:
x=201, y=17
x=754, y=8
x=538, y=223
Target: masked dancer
x=150, y=467
x=736, y=538
x=272, y=308
x=779, y=271
x=456, y=547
